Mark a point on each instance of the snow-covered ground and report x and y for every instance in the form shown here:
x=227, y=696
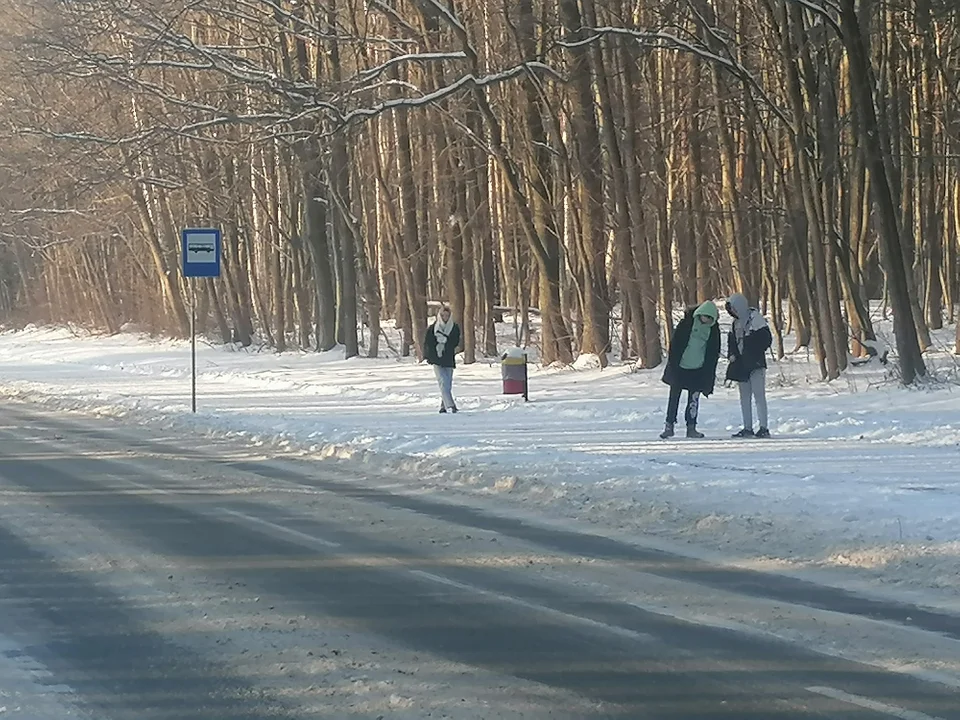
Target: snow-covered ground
x=860, y=483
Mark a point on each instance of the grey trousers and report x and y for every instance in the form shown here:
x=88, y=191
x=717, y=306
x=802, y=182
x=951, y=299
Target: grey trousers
x=445, y=381
x=754, y=389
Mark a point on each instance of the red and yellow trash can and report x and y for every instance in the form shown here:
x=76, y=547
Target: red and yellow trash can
x=513, y=370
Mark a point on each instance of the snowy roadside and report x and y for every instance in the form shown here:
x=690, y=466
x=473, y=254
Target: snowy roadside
x=860, y=483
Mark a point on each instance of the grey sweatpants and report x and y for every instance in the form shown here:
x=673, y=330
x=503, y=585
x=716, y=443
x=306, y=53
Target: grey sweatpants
x=445, y=381
x=754, y=389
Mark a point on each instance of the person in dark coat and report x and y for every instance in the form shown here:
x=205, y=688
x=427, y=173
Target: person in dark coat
x=692, y=366
x=747, y=346
x=440, y=350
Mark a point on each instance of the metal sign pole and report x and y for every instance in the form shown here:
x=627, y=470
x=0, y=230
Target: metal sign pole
x=526, y=380
x=193, y=344
x=201, y=250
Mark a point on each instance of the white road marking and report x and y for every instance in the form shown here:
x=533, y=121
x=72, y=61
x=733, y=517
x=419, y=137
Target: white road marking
x=313, y=540
x=867, y=703
x=613, y=629
x=309, y=540
x=281, y=530
x=142, y=486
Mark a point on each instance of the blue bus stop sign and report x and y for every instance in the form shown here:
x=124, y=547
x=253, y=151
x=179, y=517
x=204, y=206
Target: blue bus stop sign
x=201, y=248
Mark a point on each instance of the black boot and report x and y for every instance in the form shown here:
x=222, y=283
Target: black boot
x=668, y=431
x=693, y=433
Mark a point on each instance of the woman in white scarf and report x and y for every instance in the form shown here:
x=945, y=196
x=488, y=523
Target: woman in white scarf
x=440, y=350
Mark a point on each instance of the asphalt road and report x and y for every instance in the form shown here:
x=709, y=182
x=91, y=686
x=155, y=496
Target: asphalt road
x=355, y=560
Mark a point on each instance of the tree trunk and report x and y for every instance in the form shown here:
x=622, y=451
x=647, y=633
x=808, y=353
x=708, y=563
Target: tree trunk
x=592, y=232
x=644, y=309
x=318, y=241
x=908, y=345
x=413, y=260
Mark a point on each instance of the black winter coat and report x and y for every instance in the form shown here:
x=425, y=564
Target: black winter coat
x=449, y=357
x=704, y=378
x=754, y=354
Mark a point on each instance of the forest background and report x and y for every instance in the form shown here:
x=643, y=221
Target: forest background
x=591, y=164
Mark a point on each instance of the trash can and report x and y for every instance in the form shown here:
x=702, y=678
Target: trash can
x=513, y=370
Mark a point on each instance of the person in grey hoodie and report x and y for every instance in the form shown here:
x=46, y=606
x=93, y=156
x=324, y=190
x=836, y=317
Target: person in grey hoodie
x=747, y=345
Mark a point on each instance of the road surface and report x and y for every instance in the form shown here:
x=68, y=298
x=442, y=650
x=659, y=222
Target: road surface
x=178, y=578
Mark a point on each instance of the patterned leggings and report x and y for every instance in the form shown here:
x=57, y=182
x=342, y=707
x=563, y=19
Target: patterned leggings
x=693, y=406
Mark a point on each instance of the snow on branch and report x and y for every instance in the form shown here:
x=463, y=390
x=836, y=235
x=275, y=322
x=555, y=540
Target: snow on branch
x=84, y=137
x=383, y=85
x=42, y=243
x=234, y=66
x=467, y=81
x=47, y=211
x=375, y=72
x=263, y=118
x=671, y=41
x=164, y=47
x=189, y=130
x=655, y=38
x=158, y=91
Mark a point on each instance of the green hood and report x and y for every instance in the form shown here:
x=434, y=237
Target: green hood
x=709, y=308
x=696, y=351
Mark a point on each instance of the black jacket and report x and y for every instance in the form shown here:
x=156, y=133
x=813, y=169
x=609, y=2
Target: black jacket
x=449, y=357
x=752, y=357
x=704, y=378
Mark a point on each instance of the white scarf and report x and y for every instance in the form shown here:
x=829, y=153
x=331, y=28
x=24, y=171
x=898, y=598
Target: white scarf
x=442, y=332
x=753, y=322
